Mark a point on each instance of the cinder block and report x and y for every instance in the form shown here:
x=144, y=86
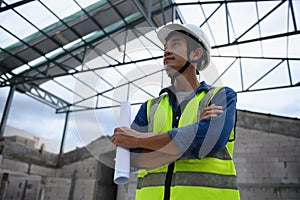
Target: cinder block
x=43, y=171
x=29, y=143
x=84, y=189
x=14, y=165
x=21, y=140
x=54, y=180
x=56, y=188
x=68, y=170
x=85, y=169
x=22, y=186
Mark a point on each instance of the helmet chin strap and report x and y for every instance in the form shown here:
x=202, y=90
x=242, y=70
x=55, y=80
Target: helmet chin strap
x=180, y=71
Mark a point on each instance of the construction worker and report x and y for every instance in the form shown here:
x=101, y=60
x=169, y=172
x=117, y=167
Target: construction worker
x=182, y=141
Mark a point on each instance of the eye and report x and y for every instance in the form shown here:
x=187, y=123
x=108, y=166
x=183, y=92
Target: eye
x=175, y=43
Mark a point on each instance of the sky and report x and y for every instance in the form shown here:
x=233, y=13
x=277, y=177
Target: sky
x=39, y=119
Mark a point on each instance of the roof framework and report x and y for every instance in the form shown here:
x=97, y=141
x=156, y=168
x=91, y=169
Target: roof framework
x=61, y=48
x=83, y=58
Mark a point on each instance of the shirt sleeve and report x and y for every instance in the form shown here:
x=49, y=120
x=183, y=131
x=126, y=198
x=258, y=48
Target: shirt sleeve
x=208, y=135
x=139, y=124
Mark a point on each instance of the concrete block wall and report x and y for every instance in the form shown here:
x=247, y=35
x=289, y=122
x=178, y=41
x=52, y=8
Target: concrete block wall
x=30, y=181
x=45, y=182
x=84, y=169
x=20, y=186
x=85, y=189
x=29, y=178
x=14, y=165
x=22, y=140
x=32, y=185
x=56, y=188
x=268, y=165
x=44, y=171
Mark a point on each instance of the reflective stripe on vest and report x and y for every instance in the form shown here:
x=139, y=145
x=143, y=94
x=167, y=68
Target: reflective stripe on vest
x=213, y=177
x=190, y=179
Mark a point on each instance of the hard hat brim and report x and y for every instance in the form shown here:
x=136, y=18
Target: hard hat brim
x=164, y=31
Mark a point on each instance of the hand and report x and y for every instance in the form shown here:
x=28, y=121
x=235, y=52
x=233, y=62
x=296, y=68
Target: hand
x=211, y=111
x=125, y=137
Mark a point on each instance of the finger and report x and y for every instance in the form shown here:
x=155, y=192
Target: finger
x=113, y=140
x=116, y=130
x=218, y=107
x=218, y=112
x=122, y=127
x=206, y=116
x=119, y=131
x=211, y=107
x=209, y=116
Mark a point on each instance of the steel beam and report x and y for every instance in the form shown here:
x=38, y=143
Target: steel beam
x=13, y=5
x=27, y=79
x=257, y=39
x=142, y=10
x=61, y=150
x=43, y=96
x=6, y=109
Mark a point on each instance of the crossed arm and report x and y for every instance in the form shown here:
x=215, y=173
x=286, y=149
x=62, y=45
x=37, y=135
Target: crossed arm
x=158, y=148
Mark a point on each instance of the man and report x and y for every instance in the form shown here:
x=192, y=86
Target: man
x=183, y=140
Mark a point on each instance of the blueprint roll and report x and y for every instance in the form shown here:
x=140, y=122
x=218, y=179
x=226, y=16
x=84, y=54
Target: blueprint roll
x=122, y=161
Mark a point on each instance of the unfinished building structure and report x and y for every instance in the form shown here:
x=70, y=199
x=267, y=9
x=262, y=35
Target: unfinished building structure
x=82, y=58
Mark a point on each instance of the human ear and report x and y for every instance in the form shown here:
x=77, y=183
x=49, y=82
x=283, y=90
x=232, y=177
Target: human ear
x=196, y=54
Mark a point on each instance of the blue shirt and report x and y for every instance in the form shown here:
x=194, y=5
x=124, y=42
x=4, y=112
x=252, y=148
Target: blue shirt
x=203, y=137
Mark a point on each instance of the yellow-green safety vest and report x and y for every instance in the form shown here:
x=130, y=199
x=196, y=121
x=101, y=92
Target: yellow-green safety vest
x=212, y=177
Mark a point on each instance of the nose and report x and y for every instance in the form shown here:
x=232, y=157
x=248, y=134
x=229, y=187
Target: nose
x=167, y=51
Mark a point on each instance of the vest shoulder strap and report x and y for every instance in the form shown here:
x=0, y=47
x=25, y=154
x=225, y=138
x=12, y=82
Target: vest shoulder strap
x=152, y=105
x=207, y=99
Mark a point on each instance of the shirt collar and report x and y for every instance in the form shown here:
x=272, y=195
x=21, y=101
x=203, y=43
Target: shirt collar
x=171, y=90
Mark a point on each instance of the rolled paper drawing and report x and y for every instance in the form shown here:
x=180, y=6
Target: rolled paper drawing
x=122, y=161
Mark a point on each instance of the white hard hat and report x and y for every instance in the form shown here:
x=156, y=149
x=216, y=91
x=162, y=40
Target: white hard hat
x=192, y=29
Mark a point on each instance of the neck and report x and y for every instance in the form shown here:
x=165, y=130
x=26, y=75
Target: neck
x=187, y=81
